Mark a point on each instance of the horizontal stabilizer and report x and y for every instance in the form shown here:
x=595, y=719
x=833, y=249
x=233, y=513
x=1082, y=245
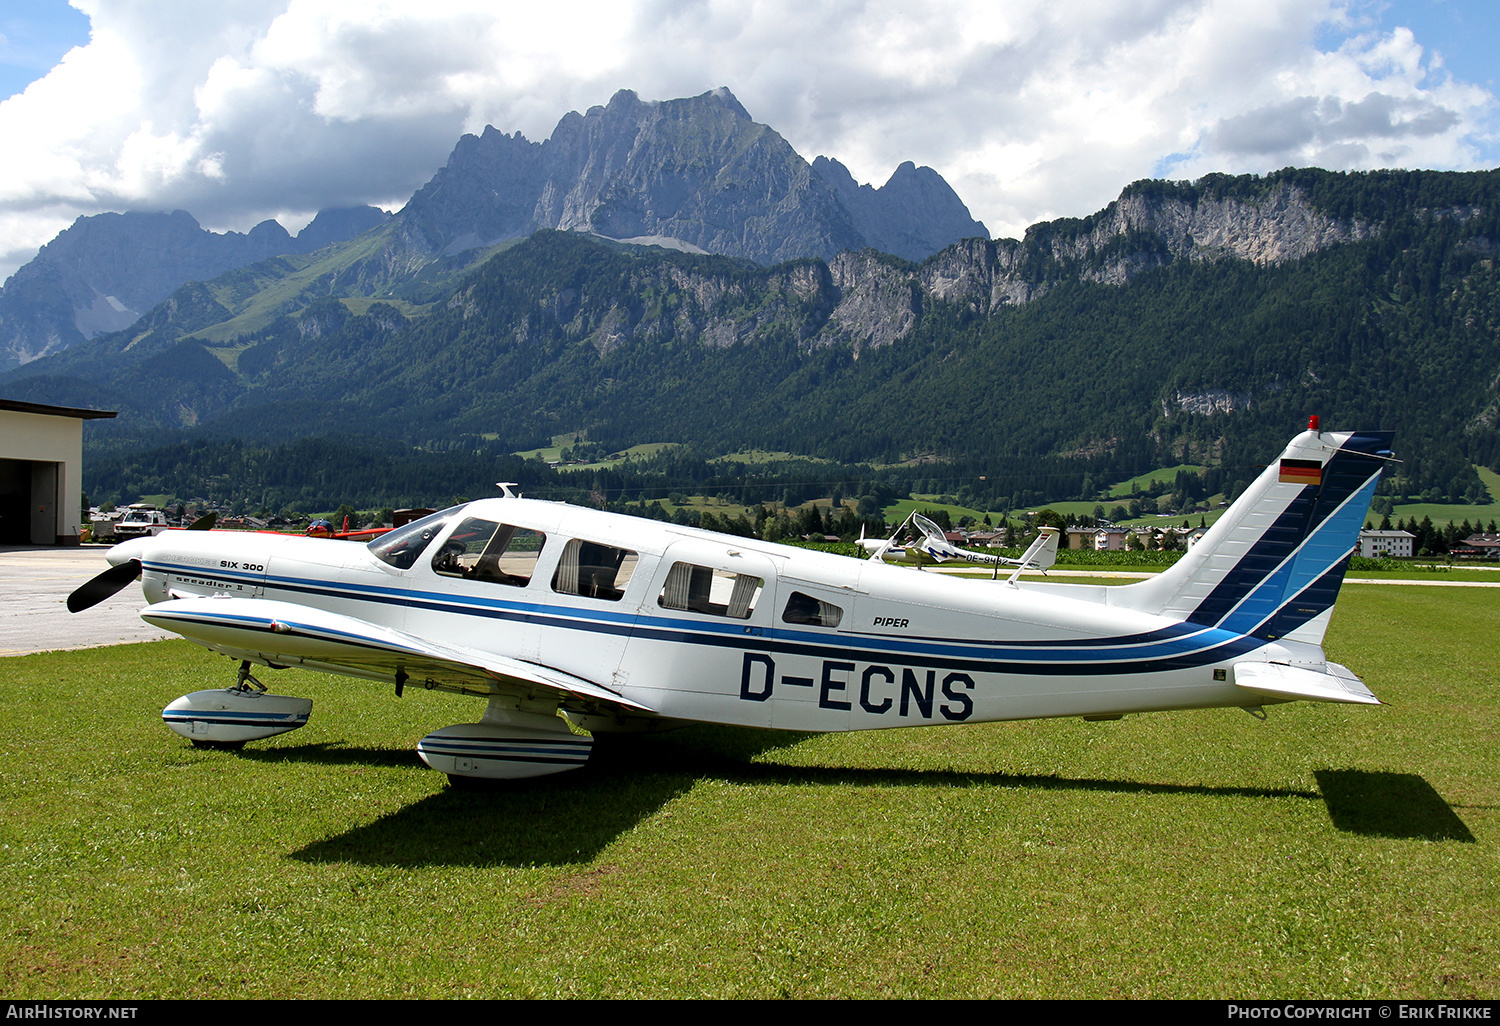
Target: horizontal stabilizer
x=1278, y=680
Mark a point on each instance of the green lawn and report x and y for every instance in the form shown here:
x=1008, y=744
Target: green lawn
x=752, y=456
x=1441, y=513
x=552, y=453
x=901, y=509
x=1166, y=475
x=1326, y=852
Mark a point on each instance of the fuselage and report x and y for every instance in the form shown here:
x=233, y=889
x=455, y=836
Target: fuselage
x=709, y=627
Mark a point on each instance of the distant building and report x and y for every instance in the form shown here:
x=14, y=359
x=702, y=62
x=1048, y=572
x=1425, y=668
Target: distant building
x=1478, y=546
x=1378, y=544
x=41, y=472
x=1099, y=539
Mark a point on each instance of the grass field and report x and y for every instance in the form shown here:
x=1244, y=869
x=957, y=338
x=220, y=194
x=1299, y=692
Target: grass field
x=902, y=508
x=755, y=456
x=1325, y=852
x=552, y=453
x=1166, y=475
x=1441, y=513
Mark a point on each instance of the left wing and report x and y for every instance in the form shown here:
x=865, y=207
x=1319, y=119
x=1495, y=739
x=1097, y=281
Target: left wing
x=284, y=634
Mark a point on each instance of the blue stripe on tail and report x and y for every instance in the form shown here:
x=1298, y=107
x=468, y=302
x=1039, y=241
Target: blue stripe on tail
x=1293, y=572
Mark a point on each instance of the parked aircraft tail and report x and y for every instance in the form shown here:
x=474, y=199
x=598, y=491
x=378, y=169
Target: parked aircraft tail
x=1271, y=566
x=1043, y=552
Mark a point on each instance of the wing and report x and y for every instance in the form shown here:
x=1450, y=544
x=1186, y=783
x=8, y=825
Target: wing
x=285, y=634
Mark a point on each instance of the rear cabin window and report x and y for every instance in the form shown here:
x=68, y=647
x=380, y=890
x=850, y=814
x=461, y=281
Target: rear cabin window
x=702, y=589
x=814, y=612
x=593, y=570
x=482, y=550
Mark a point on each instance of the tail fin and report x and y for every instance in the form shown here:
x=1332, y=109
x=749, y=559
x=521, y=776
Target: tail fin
x=1043, y=551
x=1271, y=566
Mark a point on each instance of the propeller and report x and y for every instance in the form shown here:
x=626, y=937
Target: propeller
x=205, y=522
x=103, y=586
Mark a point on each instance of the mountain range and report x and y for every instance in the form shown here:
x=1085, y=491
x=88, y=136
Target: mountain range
x=697, y=174
x=1187, y=322
x=102, y=273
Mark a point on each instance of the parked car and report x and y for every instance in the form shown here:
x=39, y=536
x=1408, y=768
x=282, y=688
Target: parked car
x=140, y=520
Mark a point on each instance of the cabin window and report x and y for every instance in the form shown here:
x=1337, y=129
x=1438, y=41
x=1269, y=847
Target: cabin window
x=401, y=547
x=593, y=570
x=482, y=550
x=702, y=589
x=815, y=612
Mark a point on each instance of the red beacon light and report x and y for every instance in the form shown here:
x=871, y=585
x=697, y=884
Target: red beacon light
x=1312, y=424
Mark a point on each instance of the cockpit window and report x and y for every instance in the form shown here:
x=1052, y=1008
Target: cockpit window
x=401, y=547
x=482, y=550
x=702, y=589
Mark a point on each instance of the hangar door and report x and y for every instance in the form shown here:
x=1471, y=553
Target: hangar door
x=29, y=502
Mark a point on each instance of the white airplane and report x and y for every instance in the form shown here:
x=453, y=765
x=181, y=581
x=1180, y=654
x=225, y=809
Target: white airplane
x=934, y=546
x=561, y=616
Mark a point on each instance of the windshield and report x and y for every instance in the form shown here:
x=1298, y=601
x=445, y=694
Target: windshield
x=401, y=547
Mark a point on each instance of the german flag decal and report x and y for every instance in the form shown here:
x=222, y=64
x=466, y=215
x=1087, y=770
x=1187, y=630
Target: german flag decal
x=1302, y=472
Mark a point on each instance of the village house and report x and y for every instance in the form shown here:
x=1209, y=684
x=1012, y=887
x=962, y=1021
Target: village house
x=1378, y=544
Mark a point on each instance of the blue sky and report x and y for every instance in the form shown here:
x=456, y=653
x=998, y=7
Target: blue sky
x=1463, y=31
x=1032, y=109
x=36, y=34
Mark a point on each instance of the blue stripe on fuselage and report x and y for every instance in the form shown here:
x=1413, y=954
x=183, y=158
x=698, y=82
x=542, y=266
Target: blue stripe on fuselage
x=1173, y=646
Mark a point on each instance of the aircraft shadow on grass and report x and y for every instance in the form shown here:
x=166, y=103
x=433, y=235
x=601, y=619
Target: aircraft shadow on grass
x=543, y=821
x=1380, y=804
x=569, y=820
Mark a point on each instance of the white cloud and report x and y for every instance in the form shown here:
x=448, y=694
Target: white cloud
x=1031, y=109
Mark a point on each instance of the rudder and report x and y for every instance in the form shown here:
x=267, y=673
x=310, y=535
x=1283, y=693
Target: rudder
x=1272, y=565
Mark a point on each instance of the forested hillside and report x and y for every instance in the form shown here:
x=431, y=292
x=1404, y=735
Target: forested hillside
x=1127, y=348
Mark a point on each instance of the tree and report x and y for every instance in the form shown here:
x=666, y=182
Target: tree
x=1050, y=517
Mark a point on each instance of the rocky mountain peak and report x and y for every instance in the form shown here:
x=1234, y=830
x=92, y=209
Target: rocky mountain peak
x=913, y=215
x=698, y=169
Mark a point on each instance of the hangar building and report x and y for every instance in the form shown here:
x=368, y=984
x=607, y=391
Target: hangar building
x=41, y=472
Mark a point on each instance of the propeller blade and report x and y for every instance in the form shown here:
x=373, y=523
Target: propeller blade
x=205, y=522
x=103, y=586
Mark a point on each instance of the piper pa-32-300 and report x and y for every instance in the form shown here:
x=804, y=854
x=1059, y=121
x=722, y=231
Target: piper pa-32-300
x=561, y=615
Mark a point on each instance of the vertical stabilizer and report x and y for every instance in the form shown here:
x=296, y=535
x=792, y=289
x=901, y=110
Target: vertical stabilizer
x=1271, y=566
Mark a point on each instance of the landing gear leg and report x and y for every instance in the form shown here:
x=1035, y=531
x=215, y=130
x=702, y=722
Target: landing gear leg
x=246, y=678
